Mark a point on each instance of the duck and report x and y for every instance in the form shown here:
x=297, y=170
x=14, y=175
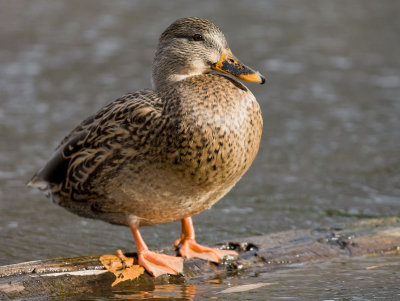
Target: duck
x=164, y=154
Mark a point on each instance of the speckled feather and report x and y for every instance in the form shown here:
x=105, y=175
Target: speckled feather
x=153, y=157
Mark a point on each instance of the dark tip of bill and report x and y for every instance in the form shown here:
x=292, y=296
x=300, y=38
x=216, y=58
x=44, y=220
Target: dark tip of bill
x=262, y=80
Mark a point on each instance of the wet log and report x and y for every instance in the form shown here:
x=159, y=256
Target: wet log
x=86, y=275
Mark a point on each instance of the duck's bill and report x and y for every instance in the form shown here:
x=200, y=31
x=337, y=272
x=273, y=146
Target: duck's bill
x=229, y=64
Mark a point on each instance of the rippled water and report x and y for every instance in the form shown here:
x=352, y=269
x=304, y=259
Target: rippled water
x=330, y=152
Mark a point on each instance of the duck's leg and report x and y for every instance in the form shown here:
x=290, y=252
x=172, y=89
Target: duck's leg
x=191, y=249
x=155, y=263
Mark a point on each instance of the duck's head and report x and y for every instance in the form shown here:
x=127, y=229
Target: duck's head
x=193, y=46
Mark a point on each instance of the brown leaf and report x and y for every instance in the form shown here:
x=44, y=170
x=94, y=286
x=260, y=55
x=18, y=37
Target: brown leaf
x=129, y=273
x=122, y=268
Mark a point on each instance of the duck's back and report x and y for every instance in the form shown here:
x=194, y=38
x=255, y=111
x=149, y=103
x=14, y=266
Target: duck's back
x=92, y=153
x=157, y=157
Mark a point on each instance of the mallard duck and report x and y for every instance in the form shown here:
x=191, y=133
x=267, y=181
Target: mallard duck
x=163, y=154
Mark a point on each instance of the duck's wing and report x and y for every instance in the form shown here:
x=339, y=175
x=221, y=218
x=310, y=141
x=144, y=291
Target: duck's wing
x=116, y=126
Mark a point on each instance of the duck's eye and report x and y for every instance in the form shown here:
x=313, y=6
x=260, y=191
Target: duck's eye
x=197, y=37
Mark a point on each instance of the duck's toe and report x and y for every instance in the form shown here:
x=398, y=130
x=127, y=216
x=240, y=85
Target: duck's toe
x=158, y=264
x=191, y=249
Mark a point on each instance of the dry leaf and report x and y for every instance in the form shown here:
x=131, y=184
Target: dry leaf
x=129, y=273
x=122, y=268
x=244, y=288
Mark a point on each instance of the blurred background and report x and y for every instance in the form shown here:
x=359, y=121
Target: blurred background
x=330, y=150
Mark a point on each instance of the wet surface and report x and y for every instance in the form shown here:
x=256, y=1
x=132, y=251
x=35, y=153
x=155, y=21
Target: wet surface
x=331, y=106
x=365, y=278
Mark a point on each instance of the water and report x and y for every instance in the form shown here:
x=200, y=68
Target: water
x=366, y=278
x=330, y=150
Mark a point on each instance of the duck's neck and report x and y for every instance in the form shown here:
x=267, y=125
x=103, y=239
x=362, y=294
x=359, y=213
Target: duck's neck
x=168, y=69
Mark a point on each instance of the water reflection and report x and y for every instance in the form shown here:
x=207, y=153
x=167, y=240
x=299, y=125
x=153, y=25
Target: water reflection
x=166, y=291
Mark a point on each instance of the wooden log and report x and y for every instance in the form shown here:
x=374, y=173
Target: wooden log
x=86, y=275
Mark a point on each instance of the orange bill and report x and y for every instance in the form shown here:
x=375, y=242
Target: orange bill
x=229, y=64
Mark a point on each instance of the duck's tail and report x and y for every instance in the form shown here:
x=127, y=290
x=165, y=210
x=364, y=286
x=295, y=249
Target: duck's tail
x=38, y=182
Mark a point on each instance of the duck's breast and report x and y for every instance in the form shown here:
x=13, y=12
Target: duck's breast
x=215, y=129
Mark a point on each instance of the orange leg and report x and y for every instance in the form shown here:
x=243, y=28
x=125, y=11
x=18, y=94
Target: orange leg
x=191, y=249
x=155, y=263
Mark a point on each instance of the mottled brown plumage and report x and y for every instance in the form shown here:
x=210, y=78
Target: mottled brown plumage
x=156, y=156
